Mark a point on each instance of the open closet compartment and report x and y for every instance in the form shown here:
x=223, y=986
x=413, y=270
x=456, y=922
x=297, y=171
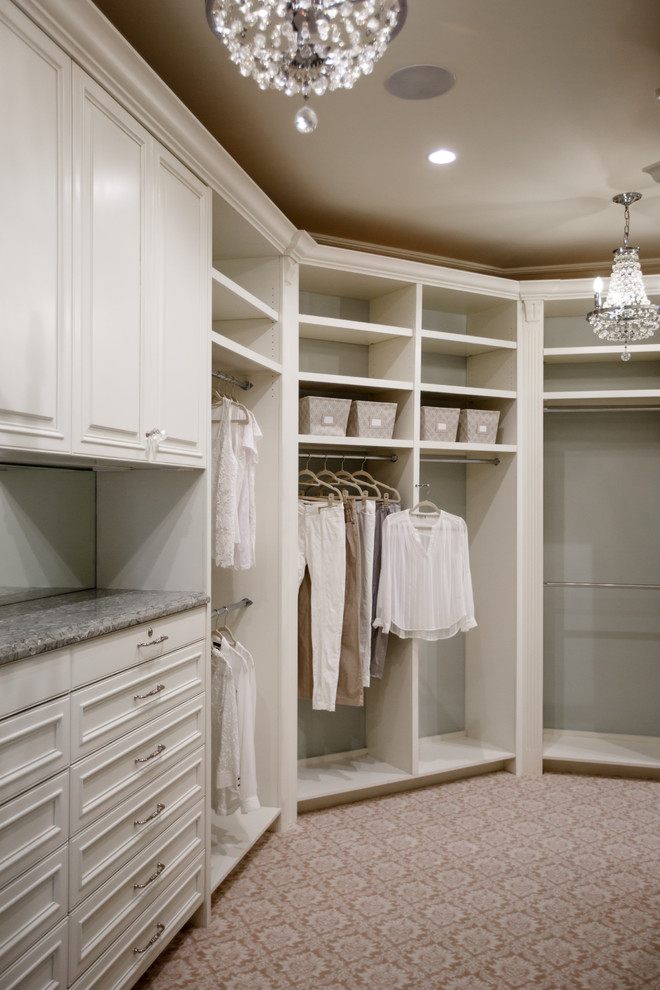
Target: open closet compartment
x=601, y=554
x=438, y=338
x=467, y=684
x=246, y=360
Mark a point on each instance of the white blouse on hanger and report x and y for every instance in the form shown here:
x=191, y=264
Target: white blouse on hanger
x=235, y=454
x=425, y=588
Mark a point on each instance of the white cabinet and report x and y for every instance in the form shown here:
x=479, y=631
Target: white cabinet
x=35, y=248
x=140, y=289
x=104, y=839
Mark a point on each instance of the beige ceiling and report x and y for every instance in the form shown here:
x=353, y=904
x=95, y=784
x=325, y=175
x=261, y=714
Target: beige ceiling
x=554, y=111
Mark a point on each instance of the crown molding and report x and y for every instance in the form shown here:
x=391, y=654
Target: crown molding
x=577, y=270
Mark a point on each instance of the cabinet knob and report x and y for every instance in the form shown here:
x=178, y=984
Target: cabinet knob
x=156, y=435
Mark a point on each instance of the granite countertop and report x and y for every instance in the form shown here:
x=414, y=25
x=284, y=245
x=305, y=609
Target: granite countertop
x=32, y=627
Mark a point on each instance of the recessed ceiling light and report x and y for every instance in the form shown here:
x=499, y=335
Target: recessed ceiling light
x=441, y=157
x=420, y=82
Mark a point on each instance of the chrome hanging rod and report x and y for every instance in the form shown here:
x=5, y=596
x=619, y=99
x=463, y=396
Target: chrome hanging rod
x=244, y=603
x=590, y=409
x=316, y=455
x=232, y=381
x=598, y=584
x=460, y=460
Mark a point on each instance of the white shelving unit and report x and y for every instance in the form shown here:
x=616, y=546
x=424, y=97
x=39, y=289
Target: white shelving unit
x=448, y=346
x=600, y=657
x=247, y=291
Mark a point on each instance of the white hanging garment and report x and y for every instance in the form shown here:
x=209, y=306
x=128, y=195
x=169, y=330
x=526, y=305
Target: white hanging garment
x=242, y=667
x=425, y=588
x=244, y=547
x=225, y=750
x=234, y=434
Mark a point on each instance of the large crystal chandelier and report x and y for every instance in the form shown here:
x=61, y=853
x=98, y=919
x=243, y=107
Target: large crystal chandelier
x=627, y=314
x=305, y=47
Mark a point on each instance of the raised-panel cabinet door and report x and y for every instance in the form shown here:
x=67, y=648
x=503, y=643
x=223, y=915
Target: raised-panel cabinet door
x=180, y=384
x=111, y=156
x=35, y=220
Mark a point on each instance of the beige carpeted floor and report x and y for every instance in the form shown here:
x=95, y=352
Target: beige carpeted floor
x=491, y=883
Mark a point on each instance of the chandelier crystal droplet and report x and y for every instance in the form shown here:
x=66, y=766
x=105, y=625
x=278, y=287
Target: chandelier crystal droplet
x=305, y=47
x=627, y=314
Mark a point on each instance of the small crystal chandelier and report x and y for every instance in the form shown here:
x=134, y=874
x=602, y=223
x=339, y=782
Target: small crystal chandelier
x=306, y=47
x=627, y=314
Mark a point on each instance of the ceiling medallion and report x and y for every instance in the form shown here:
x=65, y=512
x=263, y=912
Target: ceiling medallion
x=627, y=314
x=305, y=47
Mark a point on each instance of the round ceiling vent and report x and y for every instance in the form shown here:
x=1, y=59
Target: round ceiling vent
x=420, y=82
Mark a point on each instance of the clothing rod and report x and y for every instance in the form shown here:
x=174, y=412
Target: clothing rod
x=348, y=457
x=598, y=584
x=244, y=602
x=460, y=460
x=232, y=381
x=571, y=409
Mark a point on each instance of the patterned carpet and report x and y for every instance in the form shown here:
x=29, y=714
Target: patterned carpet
x=490, y=883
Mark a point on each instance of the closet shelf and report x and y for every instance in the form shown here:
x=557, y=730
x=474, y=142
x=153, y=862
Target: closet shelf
x=341, y=773
x=230, y=301
x=348, y=331
x=233, y=835
x=604, y=749
x=234, y=357
x=349, y=382
x=623, y=397
x=468, y=391
x=463, y=345
x=576, y=355
x=454, y=751
x=353, y=443
x=467, y=448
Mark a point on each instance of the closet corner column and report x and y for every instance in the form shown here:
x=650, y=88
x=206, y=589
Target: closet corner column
x=289, y=529
x=529, y=686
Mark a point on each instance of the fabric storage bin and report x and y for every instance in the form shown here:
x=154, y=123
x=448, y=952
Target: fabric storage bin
x=439, y=423
x=371, y=419
x=478, y=426
x=323, y=416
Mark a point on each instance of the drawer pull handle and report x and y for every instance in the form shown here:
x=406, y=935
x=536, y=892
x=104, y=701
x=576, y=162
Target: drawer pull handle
x=154, y=642
x=149, y=694
x=143, y=821
x=161, y=929
x=160, y=748
x=159, y=869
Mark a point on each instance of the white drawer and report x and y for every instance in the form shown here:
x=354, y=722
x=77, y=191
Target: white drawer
x=32, y=826
x=43, y=967
x=139, y=945
x=107, y=710
x=32, y=904
x=105, y=655
x=108, y=776
x=33, y=746
x=106, y=913
x=30, y=681
x=98, y=852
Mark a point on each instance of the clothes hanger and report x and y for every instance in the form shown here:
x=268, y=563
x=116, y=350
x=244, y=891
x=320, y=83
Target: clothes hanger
x=342, y=481
x=417, y=510
x=387, y=492
x=218, y=396
x=315, y=482
x=219, y=632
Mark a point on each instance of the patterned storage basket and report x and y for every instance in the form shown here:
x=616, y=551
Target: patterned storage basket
x=323, y=416
x=371, y=419
x=478, y=426
x=439, y=423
